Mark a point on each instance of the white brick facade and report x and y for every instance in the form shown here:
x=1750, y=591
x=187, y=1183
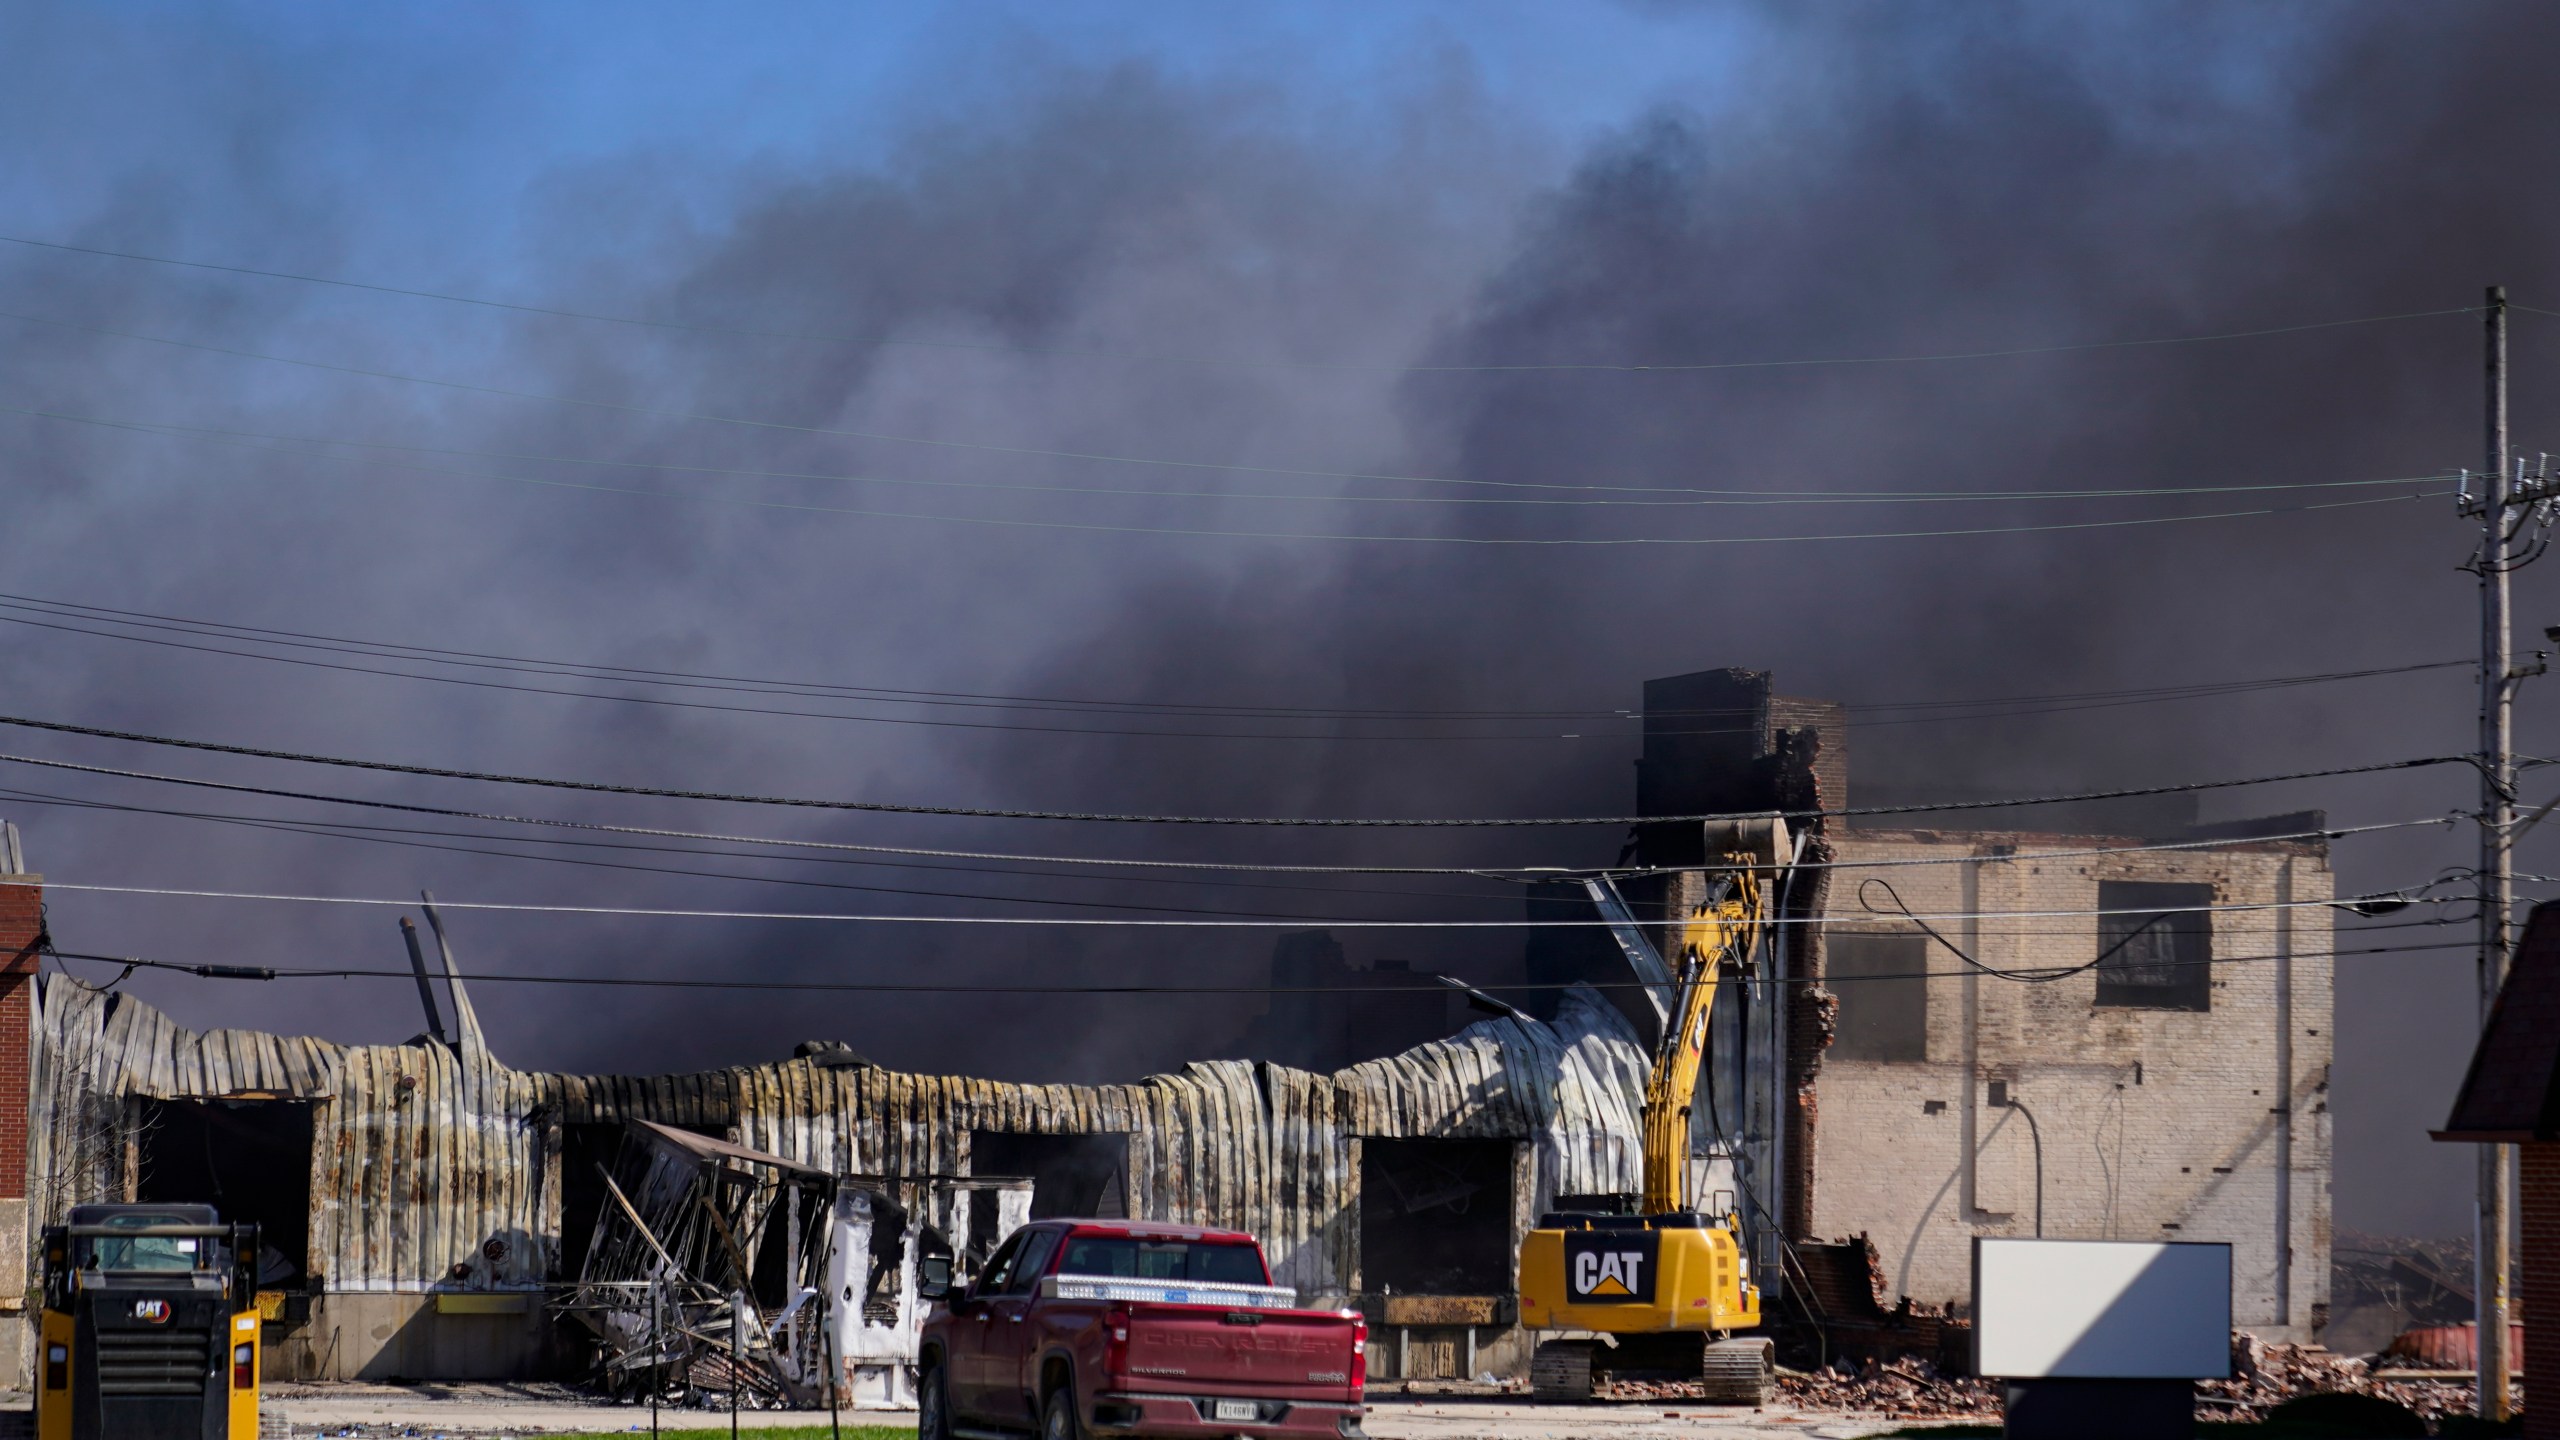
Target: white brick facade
x=2156, y=1123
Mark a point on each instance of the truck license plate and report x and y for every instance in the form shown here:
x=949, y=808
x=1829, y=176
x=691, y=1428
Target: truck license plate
x=1238, y=1410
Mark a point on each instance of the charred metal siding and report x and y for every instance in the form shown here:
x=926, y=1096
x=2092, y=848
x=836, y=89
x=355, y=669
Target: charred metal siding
x=423, y=1155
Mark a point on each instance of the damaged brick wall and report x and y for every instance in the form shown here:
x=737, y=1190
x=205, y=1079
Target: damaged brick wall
x=1855, y=1318
x=2156, y=1123
x=1811, y=779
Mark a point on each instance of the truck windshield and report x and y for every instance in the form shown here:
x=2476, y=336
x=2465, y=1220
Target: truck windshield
x=1129, y=1258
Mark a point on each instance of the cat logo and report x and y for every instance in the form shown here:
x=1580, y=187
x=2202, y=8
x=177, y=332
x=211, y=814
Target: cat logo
x=1614, y=1273
x=1605, y=1267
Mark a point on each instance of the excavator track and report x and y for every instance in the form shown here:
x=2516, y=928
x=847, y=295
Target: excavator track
x=1742, y=1371
x=1560, y=1371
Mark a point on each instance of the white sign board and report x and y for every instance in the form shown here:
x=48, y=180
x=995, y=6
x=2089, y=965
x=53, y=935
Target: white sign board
x=2101, y=1310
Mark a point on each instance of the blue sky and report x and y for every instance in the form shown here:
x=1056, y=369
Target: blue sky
x=438, y=122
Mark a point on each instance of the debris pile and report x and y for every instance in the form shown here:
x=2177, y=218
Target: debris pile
x=2382, y=1285
x=2265, y=1376
x=1839, y=1308
x=700, y=1270
x=1904, y=1389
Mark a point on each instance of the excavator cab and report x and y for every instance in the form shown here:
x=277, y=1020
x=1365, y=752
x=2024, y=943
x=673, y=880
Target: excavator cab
x=1655, y=1290
x=150, y=1326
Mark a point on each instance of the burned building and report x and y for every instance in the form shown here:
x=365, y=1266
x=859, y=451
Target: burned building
x=2092, y=1021
x=430, y=1209
x=2086, y=1026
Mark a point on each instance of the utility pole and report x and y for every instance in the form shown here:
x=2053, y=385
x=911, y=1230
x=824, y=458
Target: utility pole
x=2495, y=563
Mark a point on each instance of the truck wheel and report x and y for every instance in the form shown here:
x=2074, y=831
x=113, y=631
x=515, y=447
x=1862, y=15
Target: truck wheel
x=1058, y=1418
x=933, y=1407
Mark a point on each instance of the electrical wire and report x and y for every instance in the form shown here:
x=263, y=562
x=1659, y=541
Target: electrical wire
x=1639, y=496
x=2037, y=975
x=1327, y=737
x=991, y=812
x=929, y=987
x=1102, y=353
x=329, y=831
x=1080, y=921
x=586, y=825
x=336, y=831
x=583, y=669
x=1087, y=527
x=696, y=680
x=1117, y=863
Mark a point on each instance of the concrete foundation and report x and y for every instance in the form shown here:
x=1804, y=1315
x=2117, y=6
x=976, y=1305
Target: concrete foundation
x=412, y=1335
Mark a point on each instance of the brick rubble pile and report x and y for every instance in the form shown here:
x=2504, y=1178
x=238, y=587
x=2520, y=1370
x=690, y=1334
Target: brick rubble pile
x=1905, y=1389
x=2264, y=1376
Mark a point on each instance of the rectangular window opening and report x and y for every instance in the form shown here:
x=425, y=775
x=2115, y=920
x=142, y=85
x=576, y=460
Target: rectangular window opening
x=2155, y=945
x=1884, y=999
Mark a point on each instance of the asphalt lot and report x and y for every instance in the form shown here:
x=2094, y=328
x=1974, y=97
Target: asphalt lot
x=480, y=1412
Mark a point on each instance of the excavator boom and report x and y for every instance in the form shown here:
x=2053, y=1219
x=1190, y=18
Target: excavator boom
x=1716, y=941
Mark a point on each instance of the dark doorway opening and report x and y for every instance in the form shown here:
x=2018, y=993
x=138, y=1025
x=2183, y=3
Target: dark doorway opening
x=1435, y=1217
x=587, y=1150
x=790, y=1239
x=248, y=1159
x=1081, y=1176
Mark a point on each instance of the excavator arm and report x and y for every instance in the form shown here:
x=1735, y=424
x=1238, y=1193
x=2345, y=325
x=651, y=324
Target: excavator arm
x=1717, y=939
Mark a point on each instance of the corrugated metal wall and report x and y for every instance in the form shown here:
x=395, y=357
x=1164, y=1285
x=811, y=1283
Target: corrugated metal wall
x=422, y=1156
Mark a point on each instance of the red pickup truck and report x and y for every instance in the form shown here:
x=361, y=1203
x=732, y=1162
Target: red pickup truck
x=1088, y=1328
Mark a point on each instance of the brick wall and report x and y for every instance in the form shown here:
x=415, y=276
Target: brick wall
x=21, y=920
x=2156, y=1124
x=2540, y=1227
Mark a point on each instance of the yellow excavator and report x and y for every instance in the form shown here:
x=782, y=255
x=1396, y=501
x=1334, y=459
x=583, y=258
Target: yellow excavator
x=1660, y=1294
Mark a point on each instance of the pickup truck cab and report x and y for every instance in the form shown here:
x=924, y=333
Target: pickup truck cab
x=1092, y=1328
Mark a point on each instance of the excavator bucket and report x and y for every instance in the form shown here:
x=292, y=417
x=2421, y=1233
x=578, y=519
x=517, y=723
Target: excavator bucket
x=1761, y=840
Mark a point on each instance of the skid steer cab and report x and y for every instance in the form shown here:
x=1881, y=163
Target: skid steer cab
x=150, y=1326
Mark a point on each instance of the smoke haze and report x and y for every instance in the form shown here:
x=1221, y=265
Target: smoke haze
x=1228, y=263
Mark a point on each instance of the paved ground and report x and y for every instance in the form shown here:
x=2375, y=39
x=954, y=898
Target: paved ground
x=1393, y=1418
x=377, y=1412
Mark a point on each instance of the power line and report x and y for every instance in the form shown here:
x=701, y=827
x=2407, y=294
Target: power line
x=1085, y=921
x=969, y=699
x=1088, y=527
x=1647, y=496
x=334, y=830
x=1330, y=737
x=1482, y=871
x=1103, y=353
x=338, y=831
x=990, y=812
x=643, y=982
x=586, y=825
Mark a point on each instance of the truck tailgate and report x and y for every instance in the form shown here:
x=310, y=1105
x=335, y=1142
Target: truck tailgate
x=1206, y=1350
